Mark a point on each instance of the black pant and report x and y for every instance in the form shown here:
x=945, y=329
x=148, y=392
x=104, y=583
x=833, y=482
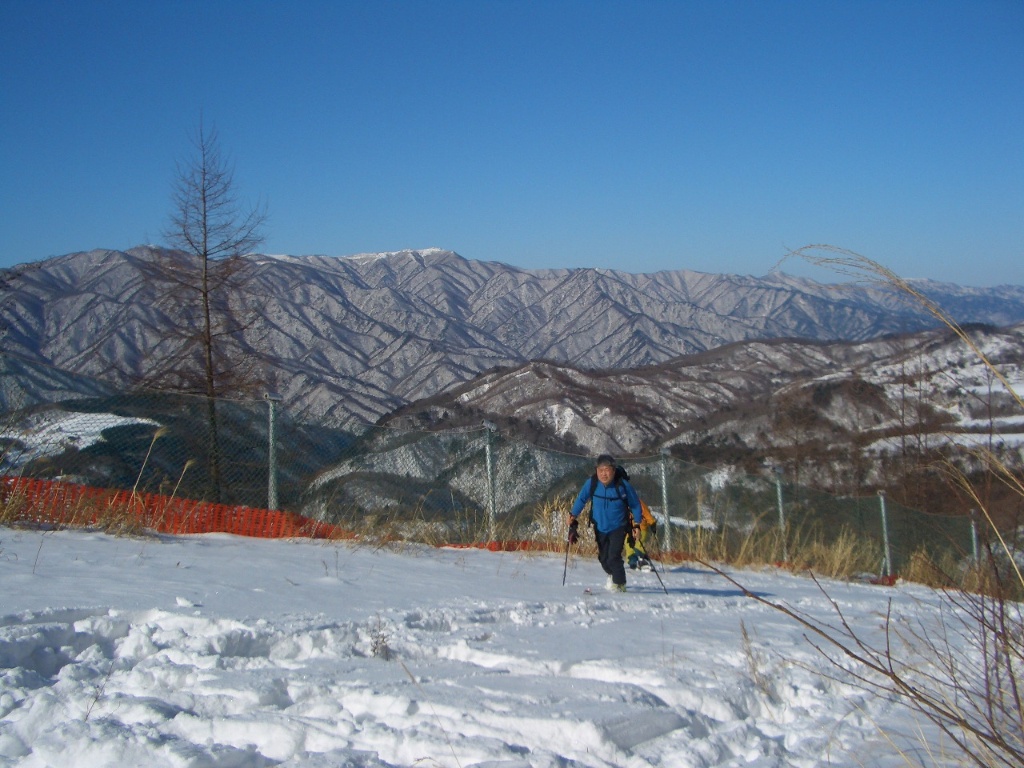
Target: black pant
x=609, y=553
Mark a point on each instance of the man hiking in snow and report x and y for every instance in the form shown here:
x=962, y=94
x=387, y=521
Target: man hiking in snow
x=615, y=513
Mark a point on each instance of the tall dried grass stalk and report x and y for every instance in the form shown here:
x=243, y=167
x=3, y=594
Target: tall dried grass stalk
x=963, y=672
x=863, y=269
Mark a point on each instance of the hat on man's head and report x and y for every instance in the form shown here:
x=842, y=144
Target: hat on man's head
x=606, y=459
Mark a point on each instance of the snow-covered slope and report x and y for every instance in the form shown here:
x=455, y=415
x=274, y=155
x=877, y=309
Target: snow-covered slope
x=225, y=652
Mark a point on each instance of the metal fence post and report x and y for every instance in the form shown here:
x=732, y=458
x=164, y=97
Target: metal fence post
x=782, y=513
x=664, y=499
x=974, y=535
x=272, y=399
x=885, y=536
x=491, y=494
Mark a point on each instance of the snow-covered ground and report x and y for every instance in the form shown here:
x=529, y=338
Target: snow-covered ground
x=223, y=651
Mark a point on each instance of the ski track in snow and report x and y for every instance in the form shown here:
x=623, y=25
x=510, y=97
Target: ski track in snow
x=222, y=651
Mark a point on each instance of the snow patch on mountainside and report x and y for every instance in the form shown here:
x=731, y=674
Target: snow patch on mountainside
x=54, y=431
x=562, y=418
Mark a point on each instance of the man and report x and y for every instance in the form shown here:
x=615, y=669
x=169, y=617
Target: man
x=614, y=511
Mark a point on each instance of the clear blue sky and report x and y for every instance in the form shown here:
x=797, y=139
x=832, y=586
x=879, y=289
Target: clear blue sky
x=647, y=135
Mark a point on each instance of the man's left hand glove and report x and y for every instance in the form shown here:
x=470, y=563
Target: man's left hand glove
x=574, y=535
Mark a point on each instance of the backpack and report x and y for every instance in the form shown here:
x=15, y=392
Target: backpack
x=647, y=518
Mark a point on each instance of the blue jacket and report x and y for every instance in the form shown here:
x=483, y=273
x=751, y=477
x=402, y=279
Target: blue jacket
x=609, y=510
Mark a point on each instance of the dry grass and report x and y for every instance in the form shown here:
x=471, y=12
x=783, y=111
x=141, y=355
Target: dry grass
x=991, y=576
x=923, y=568
x=103, y=514
x=12, y=509
x=396, y=527
x=846, y=556
x=843, y=556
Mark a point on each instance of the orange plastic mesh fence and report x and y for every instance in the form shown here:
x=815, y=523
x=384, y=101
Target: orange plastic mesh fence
x=55, y=503
x=50, y=502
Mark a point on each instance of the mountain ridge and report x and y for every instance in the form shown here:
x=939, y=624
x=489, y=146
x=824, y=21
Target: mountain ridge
x=840, y=416
x=355, y=337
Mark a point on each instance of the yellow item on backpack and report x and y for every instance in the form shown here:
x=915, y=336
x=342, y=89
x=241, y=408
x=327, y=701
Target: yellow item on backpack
x=636, y=555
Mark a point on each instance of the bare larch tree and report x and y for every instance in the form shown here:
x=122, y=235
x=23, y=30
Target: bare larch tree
x=203, y=284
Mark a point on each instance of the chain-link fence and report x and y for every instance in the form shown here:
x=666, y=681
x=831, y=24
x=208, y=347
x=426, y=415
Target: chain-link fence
x=253, y=453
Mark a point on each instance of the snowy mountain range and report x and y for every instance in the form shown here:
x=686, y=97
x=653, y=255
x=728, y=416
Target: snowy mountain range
x=757, y=398
x=355, y=338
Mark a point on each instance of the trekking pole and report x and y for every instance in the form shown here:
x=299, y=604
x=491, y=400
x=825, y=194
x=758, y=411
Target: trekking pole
x=655, y=570
x=570, y=537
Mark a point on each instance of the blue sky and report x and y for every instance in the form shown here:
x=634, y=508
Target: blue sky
x=642, y=136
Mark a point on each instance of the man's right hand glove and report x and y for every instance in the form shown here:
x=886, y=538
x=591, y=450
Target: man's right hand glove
x=574, y=535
